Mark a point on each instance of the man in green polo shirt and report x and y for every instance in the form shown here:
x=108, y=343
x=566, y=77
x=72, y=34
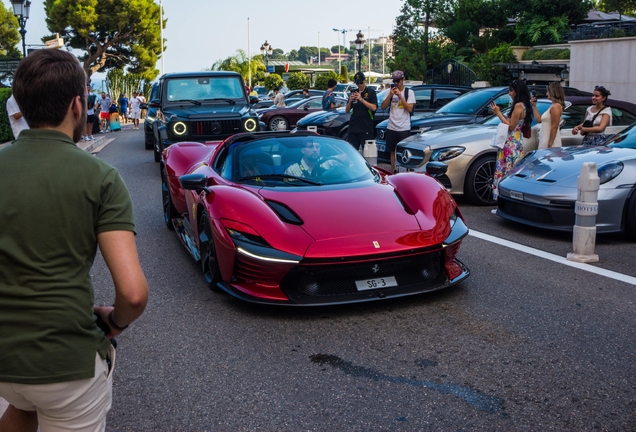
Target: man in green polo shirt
x=58, y=203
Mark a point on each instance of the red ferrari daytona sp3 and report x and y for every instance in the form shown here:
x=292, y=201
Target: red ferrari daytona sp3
x=303, y=219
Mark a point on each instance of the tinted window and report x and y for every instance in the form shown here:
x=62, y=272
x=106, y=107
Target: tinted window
x=422, y=99
x=574, y=115
x=314, y=104
x=154, y=92
x=494, y=120
x=468, y=103
x=625, y=138
x=622, y=118
x=442, y=97
x=204, y=88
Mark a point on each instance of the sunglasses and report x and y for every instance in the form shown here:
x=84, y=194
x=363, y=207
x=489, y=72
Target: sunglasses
x=397, y=80
x=599, y=88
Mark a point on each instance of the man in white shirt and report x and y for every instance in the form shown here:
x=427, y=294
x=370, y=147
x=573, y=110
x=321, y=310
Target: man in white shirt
x=402, y=101
x=18, y=123
x=135, y=110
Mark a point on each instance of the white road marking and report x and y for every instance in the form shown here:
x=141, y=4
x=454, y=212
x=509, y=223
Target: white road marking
x=102, y=145
x=556, y=258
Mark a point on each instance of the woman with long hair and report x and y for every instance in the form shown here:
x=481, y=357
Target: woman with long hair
x=597, y=118
x=520, y=115
x=550, y=120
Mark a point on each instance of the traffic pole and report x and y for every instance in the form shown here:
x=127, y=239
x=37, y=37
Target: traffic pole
x=586, y=209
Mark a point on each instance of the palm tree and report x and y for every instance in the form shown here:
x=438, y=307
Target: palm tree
x=241, y=64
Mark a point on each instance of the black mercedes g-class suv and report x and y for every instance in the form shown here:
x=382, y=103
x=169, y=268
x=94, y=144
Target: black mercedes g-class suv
x=200, y=106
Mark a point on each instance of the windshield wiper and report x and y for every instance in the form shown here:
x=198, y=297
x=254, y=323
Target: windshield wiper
x=196, y=102
x=280, y=176
x=228, y=100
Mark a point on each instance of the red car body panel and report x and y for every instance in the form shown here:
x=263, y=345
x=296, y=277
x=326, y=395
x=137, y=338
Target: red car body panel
x=402, y=215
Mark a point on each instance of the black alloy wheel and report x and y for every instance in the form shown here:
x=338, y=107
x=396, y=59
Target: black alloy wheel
x=630, y=216
x=169, y=212
x=209, y=264
x=479, y=180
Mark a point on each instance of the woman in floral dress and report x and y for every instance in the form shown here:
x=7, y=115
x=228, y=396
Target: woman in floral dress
x=512, y=151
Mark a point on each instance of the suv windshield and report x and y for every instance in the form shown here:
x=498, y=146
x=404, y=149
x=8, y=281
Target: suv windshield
x=205, y=88
x=468, y=103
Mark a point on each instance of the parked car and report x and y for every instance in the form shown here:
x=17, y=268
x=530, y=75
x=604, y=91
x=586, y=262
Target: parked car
x=427, y=98
x=469, y=108
x=200, y=106
x=267, y=236
x=291, y=97
x=285, y=118
x=541, y=191
x=470, y=158
x=151, y=115
x=262, y=92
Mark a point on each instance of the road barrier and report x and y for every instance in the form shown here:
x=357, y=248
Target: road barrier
x=586, y=209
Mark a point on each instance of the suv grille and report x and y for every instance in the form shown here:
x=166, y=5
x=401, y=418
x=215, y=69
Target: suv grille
x=216, y=127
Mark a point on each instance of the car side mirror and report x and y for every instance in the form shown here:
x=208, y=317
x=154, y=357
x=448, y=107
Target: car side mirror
x=155, y=103
x=253, y=100
x=435, y=169
x=195, y=182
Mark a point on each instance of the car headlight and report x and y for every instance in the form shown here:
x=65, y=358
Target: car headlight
x=447, y=153
x=381, y=134
x=609, y=171
x=179, y=128
x=250, y=125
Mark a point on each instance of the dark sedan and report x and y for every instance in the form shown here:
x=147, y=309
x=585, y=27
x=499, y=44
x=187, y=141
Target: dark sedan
x=428, y=97
x=283, y=118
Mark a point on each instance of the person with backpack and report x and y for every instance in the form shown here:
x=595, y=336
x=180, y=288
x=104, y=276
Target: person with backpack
x=402, y=101
x=90, y=115
x=329, y=99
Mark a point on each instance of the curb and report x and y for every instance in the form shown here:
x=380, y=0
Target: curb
x=87, y=146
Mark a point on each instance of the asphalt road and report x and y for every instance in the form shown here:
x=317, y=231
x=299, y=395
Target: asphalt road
x=524, y=344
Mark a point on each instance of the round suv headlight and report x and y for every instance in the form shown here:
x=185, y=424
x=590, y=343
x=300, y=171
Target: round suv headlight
x=179, y=128
x=250, y=125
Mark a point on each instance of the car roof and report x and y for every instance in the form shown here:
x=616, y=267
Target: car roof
x=441, y=86
x=585, y=100
x=199, y=74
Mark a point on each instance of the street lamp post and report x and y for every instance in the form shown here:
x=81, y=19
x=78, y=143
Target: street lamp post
x=267, y=51
x=359, y=43
x=21, y=11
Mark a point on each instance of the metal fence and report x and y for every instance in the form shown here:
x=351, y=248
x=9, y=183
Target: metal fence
x=451, y=72
x=600, y=31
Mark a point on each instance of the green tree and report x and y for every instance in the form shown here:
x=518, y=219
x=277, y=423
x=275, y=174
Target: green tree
x=323, y=78
x=297, y=80
x=344, y=74
x=305, y=52
x=118, y=81
x=9, y=36
x=484, y=65
x=278, y=54
x=292, y=55
x=113, y=33
x=623, y=7
x=240, y=63
x=273, y=81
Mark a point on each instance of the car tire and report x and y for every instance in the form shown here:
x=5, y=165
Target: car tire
x=278, y=123
x=209, y=263
x=630, y=216
x=169, y=212
x=479, y=179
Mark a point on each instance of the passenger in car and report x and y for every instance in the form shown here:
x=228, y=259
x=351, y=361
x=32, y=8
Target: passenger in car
x=309, y=165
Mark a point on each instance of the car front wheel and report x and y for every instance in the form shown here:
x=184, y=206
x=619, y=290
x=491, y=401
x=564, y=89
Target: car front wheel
x=278, y=123
x=209, y=264
x=479, y=179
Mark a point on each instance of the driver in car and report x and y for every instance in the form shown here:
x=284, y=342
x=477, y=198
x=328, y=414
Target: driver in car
x=310, y=164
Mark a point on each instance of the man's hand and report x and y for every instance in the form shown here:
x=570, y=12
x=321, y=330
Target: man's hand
x=103, y=312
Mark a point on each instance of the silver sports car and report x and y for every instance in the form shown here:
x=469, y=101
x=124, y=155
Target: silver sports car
x=541, y=190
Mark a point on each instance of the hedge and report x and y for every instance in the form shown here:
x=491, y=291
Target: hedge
x=6, y=133
x=547, y=54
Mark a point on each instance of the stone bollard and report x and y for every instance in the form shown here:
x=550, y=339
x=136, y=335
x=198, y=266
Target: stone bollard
x=370, y=152
x=586, y=209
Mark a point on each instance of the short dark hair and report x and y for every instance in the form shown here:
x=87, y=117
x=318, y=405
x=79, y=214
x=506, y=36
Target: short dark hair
x=331, y=83
x=44, y=85
x=305, y=89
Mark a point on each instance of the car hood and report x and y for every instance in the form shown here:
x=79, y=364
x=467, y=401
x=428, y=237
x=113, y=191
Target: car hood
x=321, y=117
x=204, y=111
x=350, y=220
x=562, y=166
x=429, y=119
x=450, y=136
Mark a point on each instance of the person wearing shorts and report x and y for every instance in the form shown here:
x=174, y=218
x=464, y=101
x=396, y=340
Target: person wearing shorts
x=135, y=110
x=402, y=101
x=90, y=115
x=104, y=112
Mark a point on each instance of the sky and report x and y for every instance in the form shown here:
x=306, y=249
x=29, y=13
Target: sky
x=200, y=32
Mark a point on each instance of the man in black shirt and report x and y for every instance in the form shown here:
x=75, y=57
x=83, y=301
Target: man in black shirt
x=362, y=103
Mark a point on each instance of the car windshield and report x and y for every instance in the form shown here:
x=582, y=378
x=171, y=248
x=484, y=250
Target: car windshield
x=205, y=89
x=624, y=139
x=261, y=91
x=295, y=161
x=493, y=120
x=468, y=103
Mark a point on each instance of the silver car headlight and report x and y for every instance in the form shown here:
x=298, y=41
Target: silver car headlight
x=447, y=153
x=609, y=171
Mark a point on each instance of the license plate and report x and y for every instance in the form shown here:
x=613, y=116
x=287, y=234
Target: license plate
x=402, y=169
x=370, y=284
x=516, y=195
x=381, y=147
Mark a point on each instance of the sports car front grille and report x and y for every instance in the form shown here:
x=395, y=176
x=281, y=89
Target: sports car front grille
x=216, y=127
x=336, y=279
x=524, y=211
